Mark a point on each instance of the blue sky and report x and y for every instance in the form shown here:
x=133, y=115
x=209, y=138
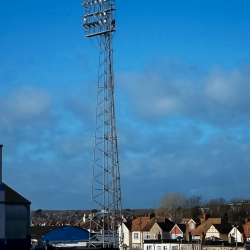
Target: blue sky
x=182, y=77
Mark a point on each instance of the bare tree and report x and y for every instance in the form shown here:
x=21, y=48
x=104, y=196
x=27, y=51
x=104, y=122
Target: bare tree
x=193, y=206
x=172, y=206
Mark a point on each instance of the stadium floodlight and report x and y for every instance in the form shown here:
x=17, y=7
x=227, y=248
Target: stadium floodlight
x=94, y=12
x=99, y=25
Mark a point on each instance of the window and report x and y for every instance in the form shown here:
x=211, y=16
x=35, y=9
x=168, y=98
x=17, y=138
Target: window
x=155, y=236
x=147, y=236
x=197, y=248
x=136, y=236
x=187, y=247
x=174, y=247
x=158, y=247
x=149, y=247
x=165, y=247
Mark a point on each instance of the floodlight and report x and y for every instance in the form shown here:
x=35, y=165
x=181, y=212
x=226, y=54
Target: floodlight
x=99, y=23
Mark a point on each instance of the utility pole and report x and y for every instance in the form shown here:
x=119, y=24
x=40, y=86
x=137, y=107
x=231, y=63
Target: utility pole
x=99, y=23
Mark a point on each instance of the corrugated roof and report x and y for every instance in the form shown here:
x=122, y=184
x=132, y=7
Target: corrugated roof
x=11, y=196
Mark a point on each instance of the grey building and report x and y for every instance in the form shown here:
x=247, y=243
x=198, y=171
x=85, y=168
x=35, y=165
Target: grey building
x=14, y=217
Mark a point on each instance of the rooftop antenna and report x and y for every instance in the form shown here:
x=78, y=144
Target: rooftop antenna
x=99, y=24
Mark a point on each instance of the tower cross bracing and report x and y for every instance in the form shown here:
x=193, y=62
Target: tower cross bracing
x=99, y=24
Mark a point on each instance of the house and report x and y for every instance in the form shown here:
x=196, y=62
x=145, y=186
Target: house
x=161, y=228
x=246, y=228
x=219, y=231
x=222, y=245
x=14, y=217
x=167, y=244
x=125, y=235
x=137, y=227
x=236, y=233
x=200, y=232
x=178, y=231
x=190, y=226
x=149, y=227
x=170, y=244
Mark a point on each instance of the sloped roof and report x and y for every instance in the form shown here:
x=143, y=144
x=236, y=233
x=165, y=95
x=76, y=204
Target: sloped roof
x=139, y=223
x=240, y=229
x=223, y=228
x=145, y=223
x=204, y=226
x=166, y=227
x=128, y=224
x=164, y=223
x=182, y=227
x=185, y=220
x=11, y=196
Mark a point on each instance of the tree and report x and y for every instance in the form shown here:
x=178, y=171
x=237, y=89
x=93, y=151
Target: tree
x=172, y=206
x=218, y=207
x=194, y=204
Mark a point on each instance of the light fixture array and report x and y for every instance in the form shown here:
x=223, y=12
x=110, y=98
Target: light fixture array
x=98, y=17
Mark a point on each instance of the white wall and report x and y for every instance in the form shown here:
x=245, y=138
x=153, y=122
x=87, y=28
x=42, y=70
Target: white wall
x=233, y=234
x=127, y=237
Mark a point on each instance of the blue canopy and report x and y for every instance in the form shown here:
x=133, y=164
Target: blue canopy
x=62, y=234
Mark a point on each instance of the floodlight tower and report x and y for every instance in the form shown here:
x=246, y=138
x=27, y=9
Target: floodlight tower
x=99, y=25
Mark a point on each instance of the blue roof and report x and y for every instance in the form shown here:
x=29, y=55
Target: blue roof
x=61, y=234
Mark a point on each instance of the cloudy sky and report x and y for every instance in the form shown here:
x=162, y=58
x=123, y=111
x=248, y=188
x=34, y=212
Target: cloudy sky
x=182, y=77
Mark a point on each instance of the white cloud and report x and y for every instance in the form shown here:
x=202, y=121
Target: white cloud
x=27, y=105
x=229, y=88
x=217, y=97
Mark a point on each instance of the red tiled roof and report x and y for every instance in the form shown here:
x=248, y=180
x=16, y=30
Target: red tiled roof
x=139, y=223
x=203, y=227
x=145, y=223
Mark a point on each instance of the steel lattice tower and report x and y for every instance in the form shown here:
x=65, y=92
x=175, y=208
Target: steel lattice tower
x=99, y=25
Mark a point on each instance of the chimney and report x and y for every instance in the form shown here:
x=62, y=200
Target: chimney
x=151, y=215
x=189, y=237
x=1, y=164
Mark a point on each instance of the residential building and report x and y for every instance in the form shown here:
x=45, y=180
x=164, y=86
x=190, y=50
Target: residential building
x=200, y=232
x=148, y=227
x=246, y=227
x=219, y=231
x=178, y=231
x=190, y=226
x=236, y=233
x=125, y=235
